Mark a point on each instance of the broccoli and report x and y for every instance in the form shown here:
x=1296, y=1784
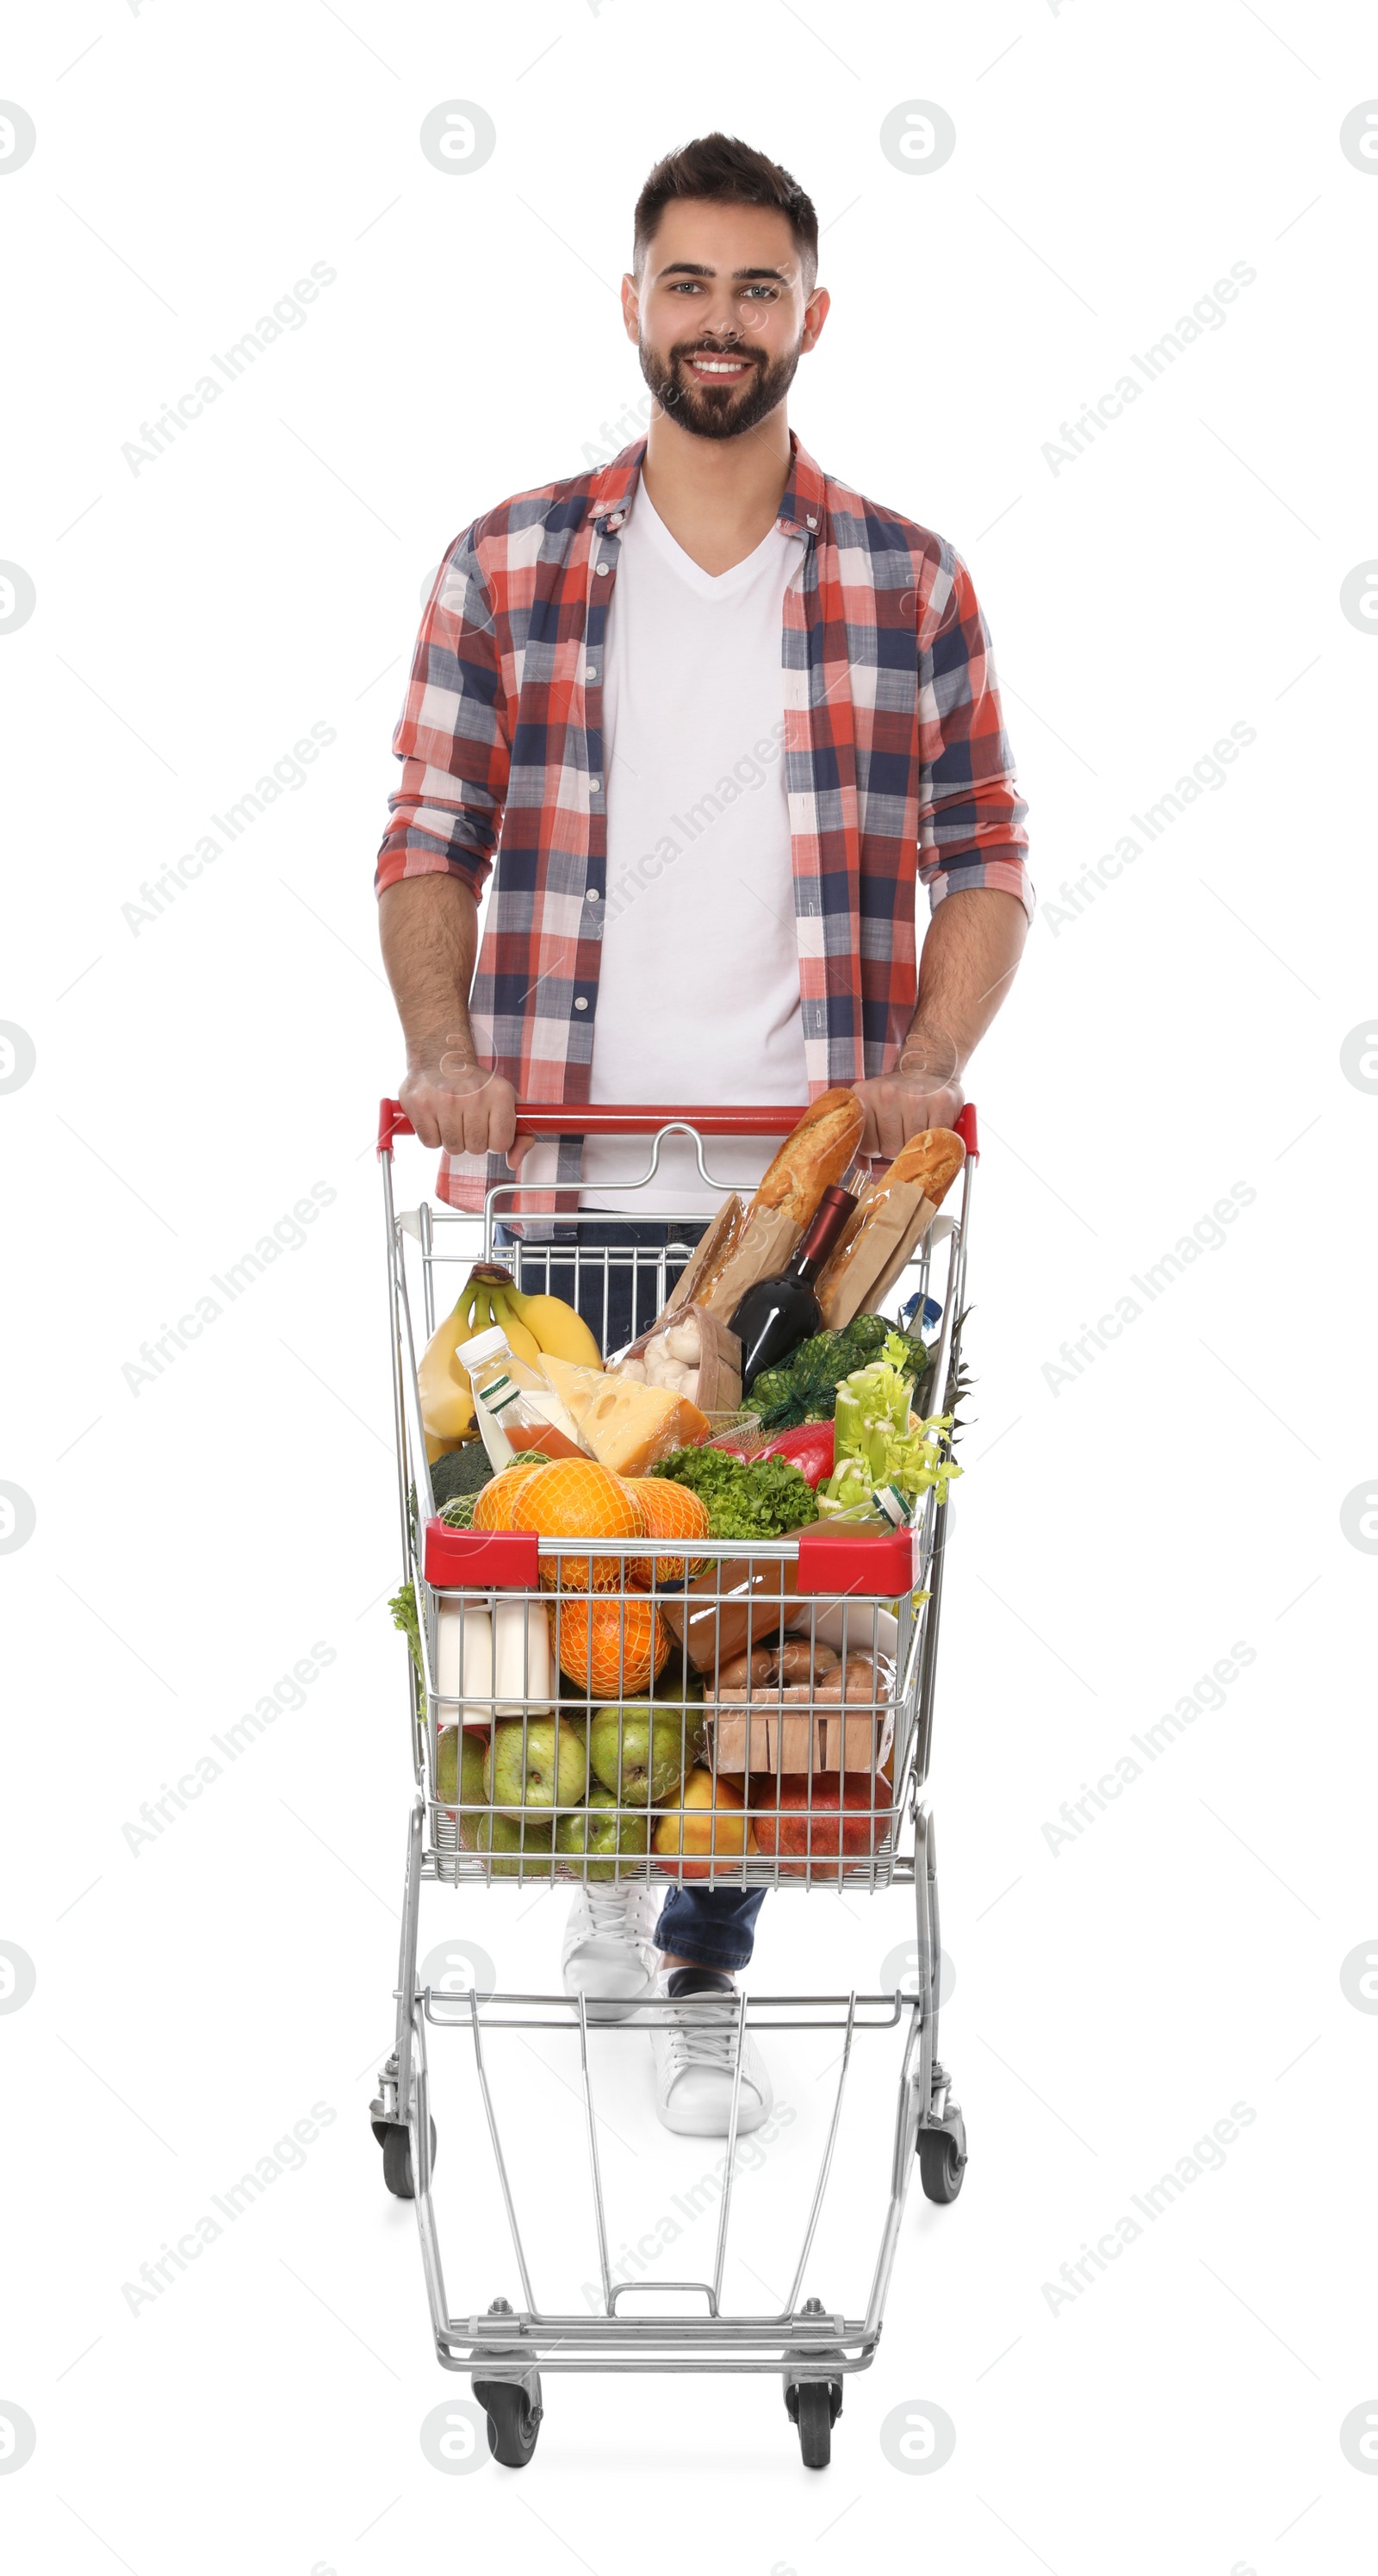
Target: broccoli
x=803, y=1387
x=865, y=1334
x=460, y=1471
x=772, y=1394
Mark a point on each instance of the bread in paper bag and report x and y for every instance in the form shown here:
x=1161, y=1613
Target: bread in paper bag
x=813, y=1156
x=710, y=1257
x=891, y=1217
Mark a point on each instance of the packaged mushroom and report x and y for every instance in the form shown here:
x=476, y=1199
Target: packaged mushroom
x=692, y=1353
x=790, y=1705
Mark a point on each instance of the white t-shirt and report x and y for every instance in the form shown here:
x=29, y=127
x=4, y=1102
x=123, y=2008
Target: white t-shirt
x=698, y=988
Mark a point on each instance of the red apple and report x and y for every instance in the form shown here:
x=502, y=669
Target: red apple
x=832, y=1823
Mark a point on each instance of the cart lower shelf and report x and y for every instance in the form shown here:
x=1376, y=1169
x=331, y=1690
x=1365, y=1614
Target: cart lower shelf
x=812, y=2347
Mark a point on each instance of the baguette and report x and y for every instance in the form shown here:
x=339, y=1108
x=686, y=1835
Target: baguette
x=933, y=1160
x=814, y=1155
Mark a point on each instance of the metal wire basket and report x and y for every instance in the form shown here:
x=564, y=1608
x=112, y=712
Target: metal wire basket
x=579, y=1673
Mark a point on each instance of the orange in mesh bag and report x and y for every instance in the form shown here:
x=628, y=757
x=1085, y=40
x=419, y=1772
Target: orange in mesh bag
x=496, y=1501
x=611, y=1648
x=669, y=1511
x=576, y=1498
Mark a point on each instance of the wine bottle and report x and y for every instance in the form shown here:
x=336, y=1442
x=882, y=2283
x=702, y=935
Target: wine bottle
x=778, y=1312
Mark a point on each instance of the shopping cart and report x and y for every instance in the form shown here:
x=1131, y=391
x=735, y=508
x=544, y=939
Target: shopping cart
x=845, y=1603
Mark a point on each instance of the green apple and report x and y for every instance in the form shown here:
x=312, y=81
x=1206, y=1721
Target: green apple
x=459, y=1755
x=658, y=1745
x=459, y=1771
x=515, y=1849
x=553, y=1773
x=601, y=1828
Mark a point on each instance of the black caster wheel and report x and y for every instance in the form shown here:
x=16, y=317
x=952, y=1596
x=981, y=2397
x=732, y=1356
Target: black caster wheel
x=513, y=2422
x=942, y=2160
x=397, y=2172
x=815, y=2405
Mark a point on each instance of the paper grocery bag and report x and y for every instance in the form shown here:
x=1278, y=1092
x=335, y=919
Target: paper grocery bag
x=767, y=1238
x=864, y=1266
x=712, y=1250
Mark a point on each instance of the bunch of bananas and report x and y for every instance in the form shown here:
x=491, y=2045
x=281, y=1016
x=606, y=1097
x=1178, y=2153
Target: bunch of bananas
x=532, y=1325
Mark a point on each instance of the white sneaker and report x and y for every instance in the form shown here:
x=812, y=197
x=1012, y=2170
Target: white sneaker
x=695, y=2052
x=607, y=1954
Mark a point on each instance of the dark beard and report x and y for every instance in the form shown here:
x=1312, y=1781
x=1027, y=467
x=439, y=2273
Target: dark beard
x=716, y=411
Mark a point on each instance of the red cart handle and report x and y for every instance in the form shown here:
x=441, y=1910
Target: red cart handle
x=966, y=1129
x=600, y=1118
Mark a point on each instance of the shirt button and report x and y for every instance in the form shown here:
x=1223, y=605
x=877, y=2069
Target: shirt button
x=811, y=521
x=595, y=787
x=592, y=895
x=590, y=670
x=603, y=567
x=579, y=1002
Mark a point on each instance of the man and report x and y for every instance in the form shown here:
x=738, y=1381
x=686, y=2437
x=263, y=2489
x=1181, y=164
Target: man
x=705, y=714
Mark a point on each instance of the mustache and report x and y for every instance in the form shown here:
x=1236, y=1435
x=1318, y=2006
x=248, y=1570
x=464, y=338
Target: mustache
x=711, y=349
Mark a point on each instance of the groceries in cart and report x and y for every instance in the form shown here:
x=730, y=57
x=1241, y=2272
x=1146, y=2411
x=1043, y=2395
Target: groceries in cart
x=644, y=1705
x=531, y=1328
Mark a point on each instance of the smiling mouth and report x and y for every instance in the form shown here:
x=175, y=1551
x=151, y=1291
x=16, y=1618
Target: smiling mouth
x=716, y=369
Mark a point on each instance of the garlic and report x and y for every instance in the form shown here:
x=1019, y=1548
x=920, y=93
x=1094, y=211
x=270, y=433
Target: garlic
x=682, y=1342
x=635, y=1369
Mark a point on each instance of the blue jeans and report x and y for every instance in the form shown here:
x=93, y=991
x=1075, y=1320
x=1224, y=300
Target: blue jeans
x=711, y=1925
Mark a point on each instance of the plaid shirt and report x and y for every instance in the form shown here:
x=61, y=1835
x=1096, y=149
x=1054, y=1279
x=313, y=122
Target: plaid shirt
x=896, y=765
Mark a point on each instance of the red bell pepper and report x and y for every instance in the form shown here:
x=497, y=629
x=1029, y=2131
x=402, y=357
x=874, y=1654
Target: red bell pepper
x=809, y=1448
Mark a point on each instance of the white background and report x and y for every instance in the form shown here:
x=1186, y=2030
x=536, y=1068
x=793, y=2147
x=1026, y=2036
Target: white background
x=1115, y=1535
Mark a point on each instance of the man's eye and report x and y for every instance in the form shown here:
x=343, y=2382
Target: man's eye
x=762, y=294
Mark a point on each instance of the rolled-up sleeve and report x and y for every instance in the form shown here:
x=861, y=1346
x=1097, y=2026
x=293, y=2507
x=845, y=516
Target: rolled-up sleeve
x=451, y=737
x=971, y=815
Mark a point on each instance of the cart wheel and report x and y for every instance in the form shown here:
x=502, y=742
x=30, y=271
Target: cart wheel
x=513, y=2422
x=814, y=2405
x=942, y=2160
x=397, y=2173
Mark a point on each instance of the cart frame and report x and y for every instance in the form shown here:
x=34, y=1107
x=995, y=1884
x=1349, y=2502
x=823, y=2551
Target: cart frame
x=812, y=2346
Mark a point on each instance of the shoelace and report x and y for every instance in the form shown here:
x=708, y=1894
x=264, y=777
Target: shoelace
x=695, y=2042
x=608, y=1916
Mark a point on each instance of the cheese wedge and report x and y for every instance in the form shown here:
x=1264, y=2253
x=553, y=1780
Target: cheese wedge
x=628, y=1427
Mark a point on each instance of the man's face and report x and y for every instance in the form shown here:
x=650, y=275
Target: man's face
x=721, y=315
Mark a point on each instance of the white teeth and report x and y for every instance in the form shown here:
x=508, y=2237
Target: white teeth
x=720, y=366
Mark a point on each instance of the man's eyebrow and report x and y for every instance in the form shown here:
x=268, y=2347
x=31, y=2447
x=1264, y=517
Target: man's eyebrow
x=695, y=268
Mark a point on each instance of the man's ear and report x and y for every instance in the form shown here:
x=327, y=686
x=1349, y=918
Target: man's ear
x=816, y=312
x=631, y=306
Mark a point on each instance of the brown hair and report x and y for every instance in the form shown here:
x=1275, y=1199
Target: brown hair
x=726, y=172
